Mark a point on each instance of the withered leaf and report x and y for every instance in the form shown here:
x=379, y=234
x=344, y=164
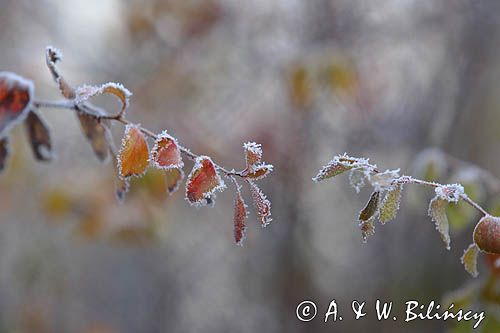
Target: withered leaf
x=97, y=133
x=469, y=259
x=4, y=152
x=262, y=204
x=371, y=207
x=39, y=135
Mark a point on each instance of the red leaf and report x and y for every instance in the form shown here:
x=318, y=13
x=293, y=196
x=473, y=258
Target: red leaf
x=4, y=152
x=253, y=154
x=39, y=135
x=15, y=99
x=262, y=205
x=165, y=153
x=203, y=182
x=258, y=172
x=174, y=178
x=240, y=215
x=133, y=158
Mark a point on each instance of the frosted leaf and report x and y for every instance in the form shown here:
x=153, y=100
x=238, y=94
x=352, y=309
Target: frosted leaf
x=4, y=152
x=437, y=212
x=122, y=185
x=173, y=178
x=85, y=92
x=39, y=135
x=203, y=181
x=261, y=204
x=240, y=215
x=371, y=208
x=16, y=94
x=450, y=192
x=166, y=153
x=487, y=234
x=384, y=181
x=253, y=154
x=340, y=164
x=258, y=171
x=52, y=56
x=469, y=259
x=390, y=205
x=133, y=157
x=97, y=133
x=357, y=179
x=367, y=229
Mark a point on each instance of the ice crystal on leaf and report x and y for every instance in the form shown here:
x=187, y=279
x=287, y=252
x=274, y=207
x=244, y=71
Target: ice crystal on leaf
x=384, y=181
x=357, y=179
x=85, y=92
x=203, y=181
x=450, y=192
x=338, y=165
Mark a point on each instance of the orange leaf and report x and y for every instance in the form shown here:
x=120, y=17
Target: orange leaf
x=203, y=182
x=174, y=178
x=133, y=158
x=118, y=90
x=39, y=135
x=165, y=153
x=4, y=152
x=15, y=99
x=262, y=205
x=240, y=215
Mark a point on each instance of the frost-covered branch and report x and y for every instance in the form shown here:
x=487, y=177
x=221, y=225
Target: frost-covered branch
x=17, y=103
x=389, y=184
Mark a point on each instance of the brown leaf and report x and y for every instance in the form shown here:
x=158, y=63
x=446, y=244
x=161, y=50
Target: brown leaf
x=261, y=204
x=16, y=94
x=97, y=133
x=240, y=215
x=203, y=181
x=39, y=135
x=371, y=208
x=166, y=153
x=4, y=152
x=52, y=56
x=173, y=178
x=133, y=158
x=487, y=234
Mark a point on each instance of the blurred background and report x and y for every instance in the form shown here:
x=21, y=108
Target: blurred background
x=407, y=83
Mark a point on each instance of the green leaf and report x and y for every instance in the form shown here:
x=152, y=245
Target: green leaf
x=390, y=204
x=437, y=212
x=469, y=259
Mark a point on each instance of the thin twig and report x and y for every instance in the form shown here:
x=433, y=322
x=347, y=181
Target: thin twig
x=71, y=105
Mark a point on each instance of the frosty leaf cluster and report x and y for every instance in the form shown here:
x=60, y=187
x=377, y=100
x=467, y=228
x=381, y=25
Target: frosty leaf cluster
x=134, y=156
x=385, y=199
